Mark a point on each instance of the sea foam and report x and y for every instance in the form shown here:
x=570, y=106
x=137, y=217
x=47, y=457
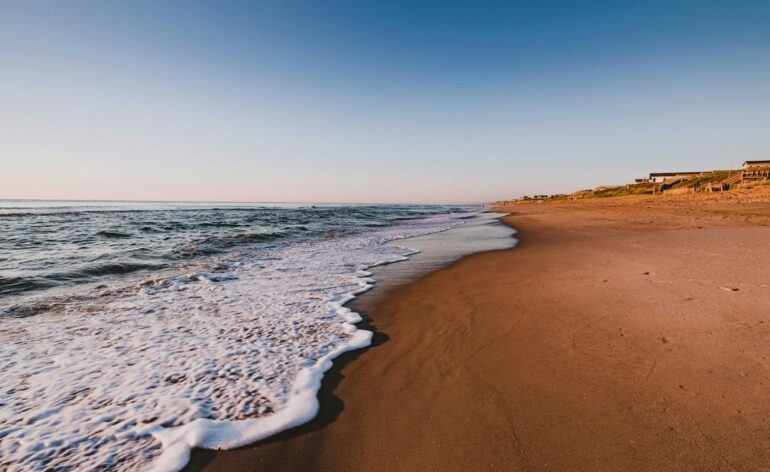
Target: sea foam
x=219, y=357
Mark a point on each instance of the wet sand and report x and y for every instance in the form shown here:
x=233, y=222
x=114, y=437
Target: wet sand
x=618, y=335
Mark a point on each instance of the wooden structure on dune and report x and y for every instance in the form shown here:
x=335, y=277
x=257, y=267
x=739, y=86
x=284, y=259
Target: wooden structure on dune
x=708, y=181
x=755, y=170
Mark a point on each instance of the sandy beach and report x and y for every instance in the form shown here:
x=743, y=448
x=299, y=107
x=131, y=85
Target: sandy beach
x=621, y=334
x=385, y=236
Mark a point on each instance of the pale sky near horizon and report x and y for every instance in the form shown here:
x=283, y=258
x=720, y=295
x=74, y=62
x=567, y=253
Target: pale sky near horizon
x=425, y=102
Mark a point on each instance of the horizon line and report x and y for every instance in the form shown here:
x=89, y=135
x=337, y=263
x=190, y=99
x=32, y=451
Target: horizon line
x=107, y=200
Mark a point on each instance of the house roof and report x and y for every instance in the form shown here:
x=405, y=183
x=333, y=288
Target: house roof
x=757, y=163
x=669, y=174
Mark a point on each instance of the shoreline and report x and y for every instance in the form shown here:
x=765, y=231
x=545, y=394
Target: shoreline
x=610, y=338
x=427, y=253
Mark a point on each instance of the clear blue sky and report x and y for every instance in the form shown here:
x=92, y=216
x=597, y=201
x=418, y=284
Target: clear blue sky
x=374, y=102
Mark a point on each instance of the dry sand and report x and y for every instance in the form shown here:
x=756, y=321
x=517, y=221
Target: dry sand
x=619, y=335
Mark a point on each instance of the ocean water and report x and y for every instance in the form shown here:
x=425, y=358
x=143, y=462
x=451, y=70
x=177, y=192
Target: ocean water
x=131, y=333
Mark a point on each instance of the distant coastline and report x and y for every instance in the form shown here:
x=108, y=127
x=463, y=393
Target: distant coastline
x=753, y=175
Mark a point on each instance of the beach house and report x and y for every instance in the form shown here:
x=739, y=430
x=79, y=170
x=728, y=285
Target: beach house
x=755, y=170
x=658, y=177
x=753, y=164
